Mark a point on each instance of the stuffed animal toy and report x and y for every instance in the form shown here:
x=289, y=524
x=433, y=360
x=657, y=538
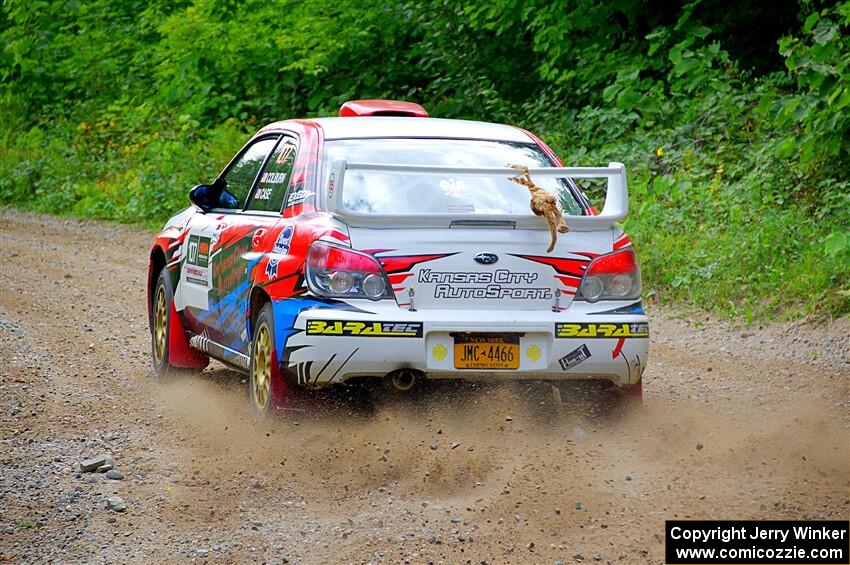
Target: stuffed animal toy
x=543, y=203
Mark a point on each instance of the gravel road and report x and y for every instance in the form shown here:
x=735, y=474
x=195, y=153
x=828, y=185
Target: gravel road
x=739, y=422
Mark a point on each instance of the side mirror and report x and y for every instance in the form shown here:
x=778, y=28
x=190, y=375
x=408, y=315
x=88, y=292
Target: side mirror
x=200, y=196
x=206, y=196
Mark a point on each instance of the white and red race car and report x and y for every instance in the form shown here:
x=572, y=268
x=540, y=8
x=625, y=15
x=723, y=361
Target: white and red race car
x=384, y=243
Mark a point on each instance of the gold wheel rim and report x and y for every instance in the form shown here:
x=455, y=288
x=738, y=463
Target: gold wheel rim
x=159, y=321
x=261, y=369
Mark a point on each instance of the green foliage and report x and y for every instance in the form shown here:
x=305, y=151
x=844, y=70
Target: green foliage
x=818, y=117
x=737, y=141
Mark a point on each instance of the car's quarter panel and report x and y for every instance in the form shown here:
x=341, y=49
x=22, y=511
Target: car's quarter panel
x=279, y=272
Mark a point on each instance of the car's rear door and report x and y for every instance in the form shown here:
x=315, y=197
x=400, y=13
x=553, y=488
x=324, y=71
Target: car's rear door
x=209, y=243
x=247, y=239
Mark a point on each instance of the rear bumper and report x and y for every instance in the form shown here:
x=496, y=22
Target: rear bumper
x=587, y=341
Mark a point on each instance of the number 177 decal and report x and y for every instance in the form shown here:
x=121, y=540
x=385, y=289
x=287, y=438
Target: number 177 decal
x=198, y=260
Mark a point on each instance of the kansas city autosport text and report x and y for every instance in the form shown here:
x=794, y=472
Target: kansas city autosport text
x=446, y=285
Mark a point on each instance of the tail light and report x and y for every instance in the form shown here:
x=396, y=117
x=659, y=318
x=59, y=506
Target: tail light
x=339, y=272
x=615, y=276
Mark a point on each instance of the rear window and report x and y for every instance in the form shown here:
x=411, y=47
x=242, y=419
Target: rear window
x=403, y=194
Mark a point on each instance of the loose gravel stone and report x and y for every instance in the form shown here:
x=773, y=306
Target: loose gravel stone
x=116, y=503
x=114, y=474
x=94, y=463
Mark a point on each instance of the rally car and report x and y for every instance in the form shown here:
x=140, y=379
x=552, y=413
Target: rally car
x=385, y=243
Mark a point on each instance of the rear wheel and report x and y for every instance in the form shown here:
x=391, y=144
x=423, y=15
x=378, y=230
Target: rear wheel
x=269, y=389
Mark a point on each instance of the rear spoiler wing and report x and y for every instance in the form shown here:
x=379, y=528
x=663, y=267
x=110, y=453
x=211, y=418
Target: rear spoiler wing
x=616, y=206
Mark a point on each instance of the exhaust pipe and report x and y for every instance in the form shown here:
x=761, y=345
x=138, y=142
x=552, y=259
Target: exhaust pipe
x=402, y=380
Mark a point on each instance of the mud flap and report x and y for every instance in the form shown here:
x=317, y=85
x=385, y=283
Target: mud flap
x=179, y=353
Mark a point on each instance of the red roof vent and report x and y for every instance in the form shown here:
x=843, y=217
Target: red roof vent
x=382, y=108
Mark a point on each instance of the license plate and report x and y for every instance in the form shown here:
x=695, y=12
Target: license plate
x=486, y=352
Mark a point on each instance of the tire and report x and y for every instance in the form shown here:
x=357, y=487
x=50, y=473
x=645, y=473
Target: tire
x=269, y=389
x=161, y=328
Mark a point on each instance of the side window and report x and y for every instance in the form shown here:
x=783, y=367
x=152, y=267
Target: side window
x=241, y=175
x=271, y=188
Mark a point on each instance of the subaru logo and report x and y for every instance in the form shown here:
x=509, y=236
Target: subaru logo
x=486, y=258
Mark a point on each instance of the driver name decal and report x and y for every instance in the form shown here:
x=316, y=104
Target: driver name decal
x=263, y=194
x=273, y=178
